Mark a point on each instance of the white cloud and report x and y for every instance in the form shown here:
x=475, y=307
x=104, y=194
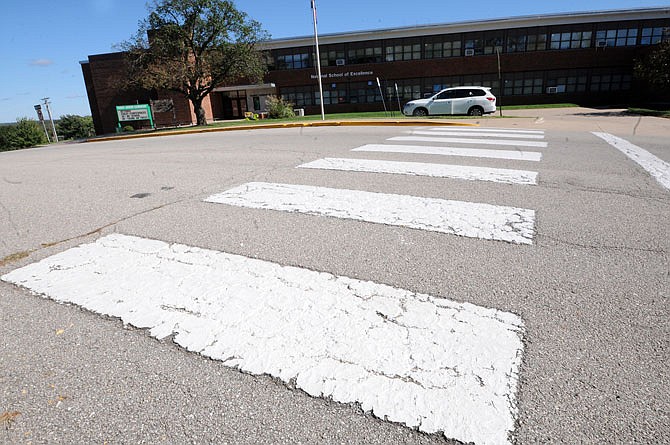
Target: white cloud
x=41, y=62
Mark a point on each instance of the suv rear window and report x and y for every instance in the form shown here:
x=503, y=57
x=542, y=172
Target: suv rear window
x=477, y=92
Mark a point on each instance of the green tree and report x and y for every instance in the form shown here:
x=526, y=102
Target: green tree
x=72, y=126
x=5, y=137
x=193, y=46
x=654, y=69
x=26, y=133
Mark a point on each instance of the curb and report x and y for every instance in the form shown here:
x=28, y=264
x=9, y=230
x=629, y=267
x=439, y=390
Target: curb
x=388, y=123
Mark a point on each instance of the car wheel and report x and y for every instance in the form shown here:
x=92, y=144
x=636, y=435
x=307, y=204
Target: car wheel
x=420, y=112
x=475, y=111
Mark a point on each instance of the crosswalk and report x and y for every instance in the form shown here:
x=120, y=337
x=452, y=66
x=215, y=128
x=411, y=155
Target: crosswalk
x=411, y=358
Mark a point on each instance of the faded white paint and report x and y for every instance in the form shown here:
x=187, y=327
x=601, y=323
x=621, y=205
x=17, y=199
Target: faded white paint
x=491, y=130
x=516, y=155
x=448, y=140
x=656, y=167
x=468, y=219
x=466, y=172
x=427, y=362
x=478, y=134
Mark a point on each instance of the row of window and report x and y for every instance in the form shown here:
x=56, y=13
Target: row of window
x=516, y=84
x=473, y=44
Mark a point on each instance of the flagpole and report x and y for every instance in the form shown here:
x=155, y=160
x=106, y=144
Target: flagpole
x=318, y=59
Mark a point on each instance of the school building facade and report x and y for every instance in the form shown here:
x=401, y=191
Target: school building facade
x=584, y=58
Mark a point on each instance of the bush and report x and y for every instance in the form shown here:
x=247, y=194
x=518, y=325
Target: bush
x=278, y=108
x=72, y=126
x=26, y=133
x=5, y=137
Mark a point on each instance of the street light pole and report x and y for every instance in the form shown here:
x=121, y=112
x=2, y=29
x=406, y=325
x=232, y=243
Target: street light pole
x=53, y=127
x=318, y=60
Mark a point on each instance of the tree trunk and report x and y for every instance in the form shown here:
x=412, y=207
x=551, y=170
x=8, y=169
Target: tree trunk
x=199, y=111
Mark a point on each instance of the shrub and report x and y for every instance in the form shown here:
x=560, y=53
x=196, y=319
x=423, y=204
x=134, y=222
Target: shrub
x=72, y=126
x=28, y=133
x=5, y=137
x=25, y=133
x=278, y=108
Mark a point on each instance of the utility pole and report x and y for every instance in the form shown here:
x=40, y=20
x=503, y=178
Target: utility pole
x=318, y=59
x=53, y=127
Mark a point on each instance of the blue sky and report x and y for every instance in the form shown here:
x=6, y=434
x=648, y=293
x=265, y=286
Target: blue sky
x=44, y=40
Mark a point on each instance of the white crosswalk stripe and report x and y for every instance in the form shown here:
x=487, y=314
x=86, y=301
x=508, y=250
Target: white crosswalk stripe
x=446, y=140
x=488, y=130
x=478, y=134
x=426, y=362
x=516, y=155
x=657, y=168
x=467, y=219
x=466, y=172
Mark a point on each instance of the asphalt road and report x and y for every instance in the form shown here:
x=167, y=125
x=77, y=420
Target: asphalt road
x=592, y=290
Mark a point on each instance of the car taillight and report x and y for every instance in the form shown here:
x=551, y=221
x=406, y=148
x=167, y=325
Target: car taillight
x=492, y=99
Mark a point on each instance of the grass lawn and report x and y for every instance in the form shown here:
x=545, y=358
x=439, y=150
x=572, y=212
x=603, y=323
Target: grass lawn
x=353, y=116
x=647, y=112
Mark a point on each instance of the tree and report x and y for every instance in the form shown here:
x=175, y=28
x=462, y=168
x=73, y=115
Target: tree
x=72, y=126
x=25, y=133
x=193, y=46
x=654, y=69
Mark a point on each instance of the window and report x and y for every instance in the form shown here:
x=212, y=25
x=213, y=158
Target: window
x=571, y=81
x=474, y=44
x=604, y=82
x=438, y=48
x=330, y=56
x=292, y=61
x=484, y=80
x=532, y=40
x=616, y=37
x=523, y=84
x=364, y=92
x=408, y=89
x=406, y=49
x=536, y=42
x=652, y=36
x=299, y=96
x=491, y=42
x=571, y=40
x=366, y=54
x=334, y=93
x=435, y=84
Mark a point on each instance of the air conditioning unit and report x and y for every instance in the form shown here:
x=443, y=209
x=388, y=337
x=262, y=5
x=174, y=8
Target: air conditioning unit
x=339, y=62
x=469, y=52
x=552, y=90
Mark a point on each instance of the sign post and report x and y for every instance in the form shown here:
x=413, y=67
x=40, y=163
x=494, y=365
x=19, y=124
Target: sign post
x=40, y=116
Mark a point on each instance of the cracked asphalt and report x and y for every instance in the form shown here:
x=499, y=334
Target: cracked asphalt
x=592, y=290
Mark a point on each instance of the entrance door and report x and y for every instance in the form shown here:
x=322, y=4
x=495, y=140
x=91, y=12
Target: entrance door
x=234, y=107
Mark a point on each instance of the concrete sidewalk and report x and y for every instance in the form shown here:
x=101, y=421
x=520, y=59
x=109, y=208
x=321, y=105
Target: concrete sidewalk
x=612, y=120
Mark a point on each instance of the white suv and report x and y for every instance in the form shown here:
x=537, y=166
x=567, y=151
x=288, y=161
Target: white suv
x=473, y=101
